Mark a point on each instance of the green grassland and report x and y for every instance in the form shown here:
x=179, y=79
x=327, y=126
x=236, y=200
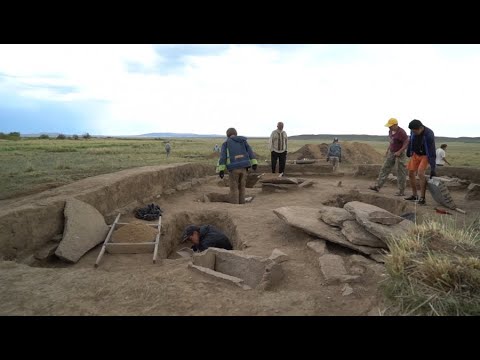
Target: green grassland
x=31, y=165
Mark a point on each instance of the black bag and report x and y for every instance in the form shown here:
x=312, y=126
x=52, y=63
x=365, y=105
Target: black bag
x=149, y=212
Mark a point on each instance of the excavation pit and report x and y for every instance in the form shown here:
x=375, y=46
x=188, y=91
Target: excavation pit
x=246, y=271
x=175, y=224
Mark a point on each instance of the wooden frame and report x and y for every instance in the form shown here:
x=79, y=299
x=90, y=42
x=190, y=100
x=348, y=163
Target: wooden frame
x=130, y=248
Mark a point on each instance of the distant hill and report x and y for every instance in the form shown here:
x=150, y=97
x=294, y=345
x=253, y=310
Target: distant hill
x=438, y=139
x=45, y=133
x=150, y=135
x=180, y=135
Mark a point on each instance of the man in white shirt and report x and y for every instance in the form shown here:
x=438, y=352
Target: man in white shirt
x=441, y=155
x=278, y=148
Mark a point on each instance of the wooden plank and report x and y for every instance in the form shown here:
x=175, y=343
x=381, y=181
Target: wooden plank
x=130, y=248
x=102, y=251
x=157, y=240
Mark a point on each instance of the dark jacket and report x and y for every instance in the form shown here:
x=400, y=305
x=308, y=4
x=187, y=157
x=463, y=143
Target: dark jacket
x=236, y=153
x=212, y=237
x=335, y=150
x=429, y=145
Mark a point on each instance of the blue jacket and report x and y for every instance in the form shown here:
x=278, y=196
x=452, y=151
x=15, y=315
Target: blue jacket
x=236, y=153
x=335, y=150
x=428, y=143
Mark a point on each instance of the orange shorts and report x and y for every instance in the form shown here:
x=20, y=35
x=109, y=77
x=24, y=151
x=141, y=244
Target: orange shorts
x=418, y=163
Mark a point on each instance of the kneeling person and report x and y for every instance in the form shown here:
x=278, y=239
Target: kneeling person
x=206, y=236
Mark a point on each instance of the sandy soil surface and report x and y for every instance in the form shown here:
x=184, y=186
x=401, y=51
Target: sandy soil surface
x=133, y=285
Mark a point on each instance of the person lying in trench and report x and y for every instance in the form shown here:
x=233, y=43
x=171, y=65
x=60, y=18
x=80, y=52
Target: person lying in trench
x=206, y=236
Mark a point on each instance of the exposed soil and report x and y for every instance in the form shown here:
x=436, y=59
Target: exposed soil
x=130, y=284
x=352, y=153
x=135, y=232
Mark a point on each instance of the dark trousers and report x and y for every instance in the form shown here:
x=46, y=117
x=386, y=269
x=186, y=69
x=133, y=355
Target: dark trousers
x=282, y=159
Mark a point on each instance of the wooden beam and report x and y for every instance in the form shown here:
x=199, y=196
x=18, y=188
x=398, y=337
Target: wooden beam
x=102, y=251
x=157, y=240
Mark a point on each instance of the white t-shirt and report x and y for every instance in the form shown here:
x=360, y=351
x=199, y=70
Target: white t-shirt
x=440, y=156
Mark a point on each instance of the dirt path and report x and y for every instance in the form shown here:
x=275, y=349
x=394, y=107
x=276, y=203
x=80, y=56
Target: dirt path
x=132, y=285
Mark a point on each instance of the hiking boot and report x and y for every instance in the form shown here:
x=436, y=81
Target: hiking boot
x=374, y=188
x=399, y=193
x=421, y=201
x=412, y=198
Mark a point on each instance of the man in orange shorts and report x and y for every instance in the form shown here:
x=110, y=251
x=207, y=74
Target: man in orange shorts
x=422, y=152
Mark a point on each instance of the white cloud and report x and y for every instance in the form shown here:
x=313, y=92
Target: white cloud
x=312, y=88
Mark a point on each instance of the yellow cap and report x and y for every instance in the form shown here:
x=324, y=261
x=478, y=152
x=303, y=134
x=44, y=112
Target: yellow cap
x=391, y=122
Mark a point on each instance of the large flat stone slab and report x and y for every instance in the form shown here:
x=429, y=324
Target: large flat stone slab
x=85, y=228
x=280, y=180
x=334, y=216
x=219, y=276
x=384, y=218
x=357, y=234
x=306, y=219
x=268, y=187
x=333, y=269
x=362, y=211
x=306, y=184
x=254, y=271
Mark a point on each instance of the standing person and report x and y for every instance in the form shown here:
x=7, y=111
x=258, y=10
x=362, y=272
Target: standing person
x=395, y=155
x=421, y=151
x=216, y=148
x=335, y=154
x=236, y=156
x=278, y=148
x=441, y=156
x=168, y=148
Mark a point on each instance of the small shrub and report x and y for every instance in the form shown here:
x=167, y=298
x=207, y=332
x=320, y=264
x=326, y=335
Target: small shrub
x=435, y=270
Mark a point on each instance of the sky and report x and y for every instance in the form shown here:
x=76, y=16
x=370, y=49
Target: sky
x=133, y=89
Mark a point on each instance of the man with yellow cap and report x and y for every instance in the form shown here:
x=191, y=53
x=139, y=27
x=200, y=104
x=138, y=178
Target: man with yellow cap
x=395, y=154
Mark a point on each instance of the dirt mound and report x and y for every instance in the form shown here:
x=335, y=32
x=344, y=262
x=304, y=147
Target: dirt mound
x=352, y=153
x=136, y=232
